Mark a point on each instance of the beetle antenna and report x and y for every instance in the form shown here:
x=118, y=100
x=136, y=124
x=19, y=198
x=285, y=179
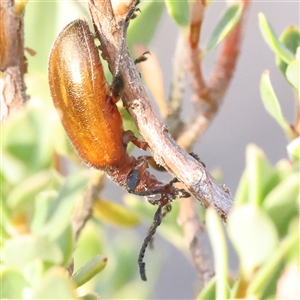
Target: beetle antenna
x=156, y=222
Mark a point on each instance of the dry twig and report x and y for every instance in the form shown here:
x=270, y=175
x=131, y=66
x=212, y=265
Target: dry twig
x=207, y=99
x=208, y=95
x=84, y=208
x=165, y=150
x=13, y=63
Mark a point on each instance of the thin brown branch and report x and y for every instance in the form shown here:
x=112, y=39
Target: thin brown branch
x=228, y=57
x=206, y=99
x=152, y=75
x=13, y=63
x=165, y=150
x=176, y=96
x=208, y=95
x=84, y=208
x=195, y=237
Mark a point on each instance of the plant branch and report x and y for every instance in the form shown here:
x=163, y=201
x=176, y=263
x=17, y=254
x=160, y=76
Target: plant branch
x=207, y=99
x=208, y=95
x=195, y=237
x=165, y=150
x=13, y=63
x=84, y=208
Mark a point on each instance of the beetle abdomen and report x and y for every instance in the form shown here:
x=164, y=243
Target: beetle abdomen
x=81, y=96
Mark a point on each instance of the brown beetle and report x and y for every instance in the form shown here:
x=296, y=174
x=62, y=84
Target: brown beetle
x=88, y=112
x=86, y=105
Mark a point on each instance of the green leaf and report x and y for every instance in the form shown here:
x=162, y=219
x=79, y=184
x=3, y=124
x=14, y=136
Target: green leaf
x=264, y=274
x=271, y=103
x=42, y=28
x=114, y=213
x=28, y=248
x=254, y=236
x=225, y=25
x=261, y=176
x=294, y=151
x=272, y=40
x=90, y=296
x=290, y=38
x=24, y=193
x=140, y=30
x=209, y=291
x=284, y=168
x=27, y=138
x=281, y=203
x=125, y=258
x=66, y=244
x=179, y=11
x=63, y=206
x=55, y=285
x=13, y=284
x=89, y=270
x=12, y=170
x=292, y=75
x=242, y=192
x=218, y=242
x=42, y=205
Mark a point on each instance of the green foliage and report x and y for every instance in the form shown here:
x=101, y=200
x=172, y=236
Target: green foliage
x=38, y=248
x=265, y=232
x=264, y=223
x=272, y=105
x=272, y=40
x=141, y=30
x=225, y=25
x=179, y=11
x=290, y=38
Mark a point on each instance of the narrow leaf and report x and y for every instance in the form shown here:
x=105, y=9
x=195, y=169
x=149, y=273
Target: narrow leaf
x=271, y=103
x=88, y=271
x=290, y=38
x=281, y=203
x=242, y=192
x=244, y=225
x=292, y=75
x=13, y=284
x=259, y=282
x=114, y=213
x=227, y=22
x=209, y=291
x=140, y=29
x=294, y=151
x=260, y=175
x=179, y=11
x=27, y=248
x=272, y=40
x=63, y=206
x=90, y=296
x=218, y=242
x=55, y=285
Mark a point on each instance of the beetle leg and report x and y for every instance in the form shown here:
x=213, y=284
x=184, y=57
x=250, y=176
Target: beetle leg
x=197, y=158
x=135, y=175
x=129, y=136
x=141, y=58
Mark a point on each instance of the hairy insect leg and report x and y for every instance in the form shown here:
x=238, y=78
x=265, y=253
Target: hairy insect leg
x=141, y=58
x=135, y=176
x=197, y=158
x=129, y=136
